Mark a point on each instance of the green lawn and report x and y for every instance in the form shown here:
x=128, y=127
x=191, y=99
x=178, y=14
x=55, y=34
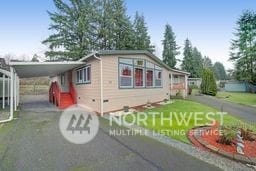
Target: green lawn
x=240, y=98
x=5, y=132
x=180, y=107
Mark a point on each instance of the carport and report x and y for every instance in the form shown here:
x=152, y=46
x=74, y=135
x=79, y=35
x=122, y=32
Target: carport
x=28, y=70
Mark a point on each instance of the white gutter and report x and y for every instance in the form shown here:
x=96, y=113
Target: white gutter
x=101, y=86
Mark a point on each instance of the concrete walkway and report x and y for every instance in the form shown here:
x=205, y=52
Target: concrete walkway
x=244, y=112
x=37, y=103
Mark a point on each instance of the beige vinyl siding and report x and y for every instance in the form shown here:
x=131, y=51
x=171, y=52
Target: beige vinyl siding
x=89, y=94
x=117, y=97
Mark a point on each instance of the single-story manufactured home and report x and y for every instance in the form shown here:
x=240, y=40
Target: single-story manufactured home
x=105, y=80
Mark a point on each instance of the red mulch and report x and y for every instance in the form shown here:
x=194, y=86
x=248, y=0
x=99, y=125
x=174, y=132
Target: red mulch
x=249, y=150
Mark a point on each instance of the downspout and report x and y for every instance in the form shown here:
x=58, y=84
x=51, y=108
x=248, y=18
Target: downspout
x=101, y=85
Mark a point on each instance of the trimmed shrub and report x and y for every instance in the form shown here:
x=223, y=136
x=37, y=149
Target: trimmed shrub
x=227, y=135
x=208, y=85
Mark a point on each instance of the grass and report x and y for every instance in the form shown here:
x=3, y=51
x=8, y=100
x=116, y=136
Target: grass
x=182, y=108
x=5, y=131
x=195, y=91
x=240, y=98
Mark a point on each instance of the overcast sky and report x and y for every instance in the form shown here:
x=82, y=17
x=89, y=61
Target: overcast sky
x=208, y=24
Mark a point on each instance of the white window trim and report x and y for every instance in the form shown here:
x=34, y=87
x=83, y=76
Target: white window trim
x=153, y=84
x=154, y=68
x=143, y=77
x=83, y=71
x=85, y=74
x=79, y=79
x=157, y=79
x=120, y=75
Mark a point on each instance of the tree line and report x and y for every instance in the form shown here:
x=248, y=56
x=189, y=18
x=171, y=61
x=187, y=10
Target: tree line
x=193, y=60
x=82, y=26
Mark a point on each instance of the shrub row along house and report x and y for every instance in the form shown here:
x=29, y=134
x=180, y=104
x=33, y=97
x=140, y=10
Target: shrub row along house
x=108, y=80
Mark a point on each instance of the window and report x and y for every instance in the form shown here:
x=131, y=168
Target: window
x=79, y=76
x=125, y=75
x=62, y=79
x=149, y=65
x=139, y=62
x=139, y=77
x=126, y=61
x=83, y=75
x=158, y=67
x=149, y=78
x=139, y=73
x=87, y=74
x=158, y=78
x=176, y=79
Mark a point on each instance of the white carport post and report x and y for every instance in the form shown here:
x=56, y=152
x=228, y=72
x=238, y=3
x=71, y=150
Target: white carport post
x=8, y=90
x=11, y=95
x=3, y=97
x=186, y=85
x=18, y=90
x=15, y=91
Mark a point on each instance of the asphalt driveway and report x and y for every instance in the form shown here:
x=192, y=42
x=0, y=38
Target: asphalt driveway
x=246, y=113
x=35, y=143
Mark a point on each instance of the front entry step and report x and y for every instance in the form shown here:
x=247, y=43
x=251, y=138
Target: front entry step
x=66, y=100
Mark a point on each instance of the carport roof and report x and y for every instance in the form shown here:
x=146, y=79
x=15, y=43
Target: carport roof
x=40, y=69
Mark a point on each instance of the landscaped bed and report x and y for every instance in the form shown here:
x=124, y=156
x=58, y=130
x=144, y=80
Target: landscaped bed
x=249, y=146
x=182, y=109
x=225, y=141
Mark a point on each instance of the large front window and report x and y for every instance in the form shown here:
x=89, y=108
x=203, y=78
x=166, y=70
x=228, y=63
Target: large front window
x=139, y=73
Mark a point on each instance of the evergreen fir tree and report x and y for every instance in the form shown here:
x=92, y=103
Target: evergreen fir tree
x=74, y=27
x=141, y=38
x=208, y=85
x=122, y=26
x=219, y=71
x=187, y=63
x=197, y=62
x=207, y=62
x=244, y=47
x=170, y=48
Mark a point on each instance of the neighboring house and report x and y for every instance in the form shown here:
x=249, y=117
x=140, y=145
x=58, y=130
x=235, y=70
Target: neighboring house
x=239, y=86
x=195, y=82
x=105, y=80
x=129, y=78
